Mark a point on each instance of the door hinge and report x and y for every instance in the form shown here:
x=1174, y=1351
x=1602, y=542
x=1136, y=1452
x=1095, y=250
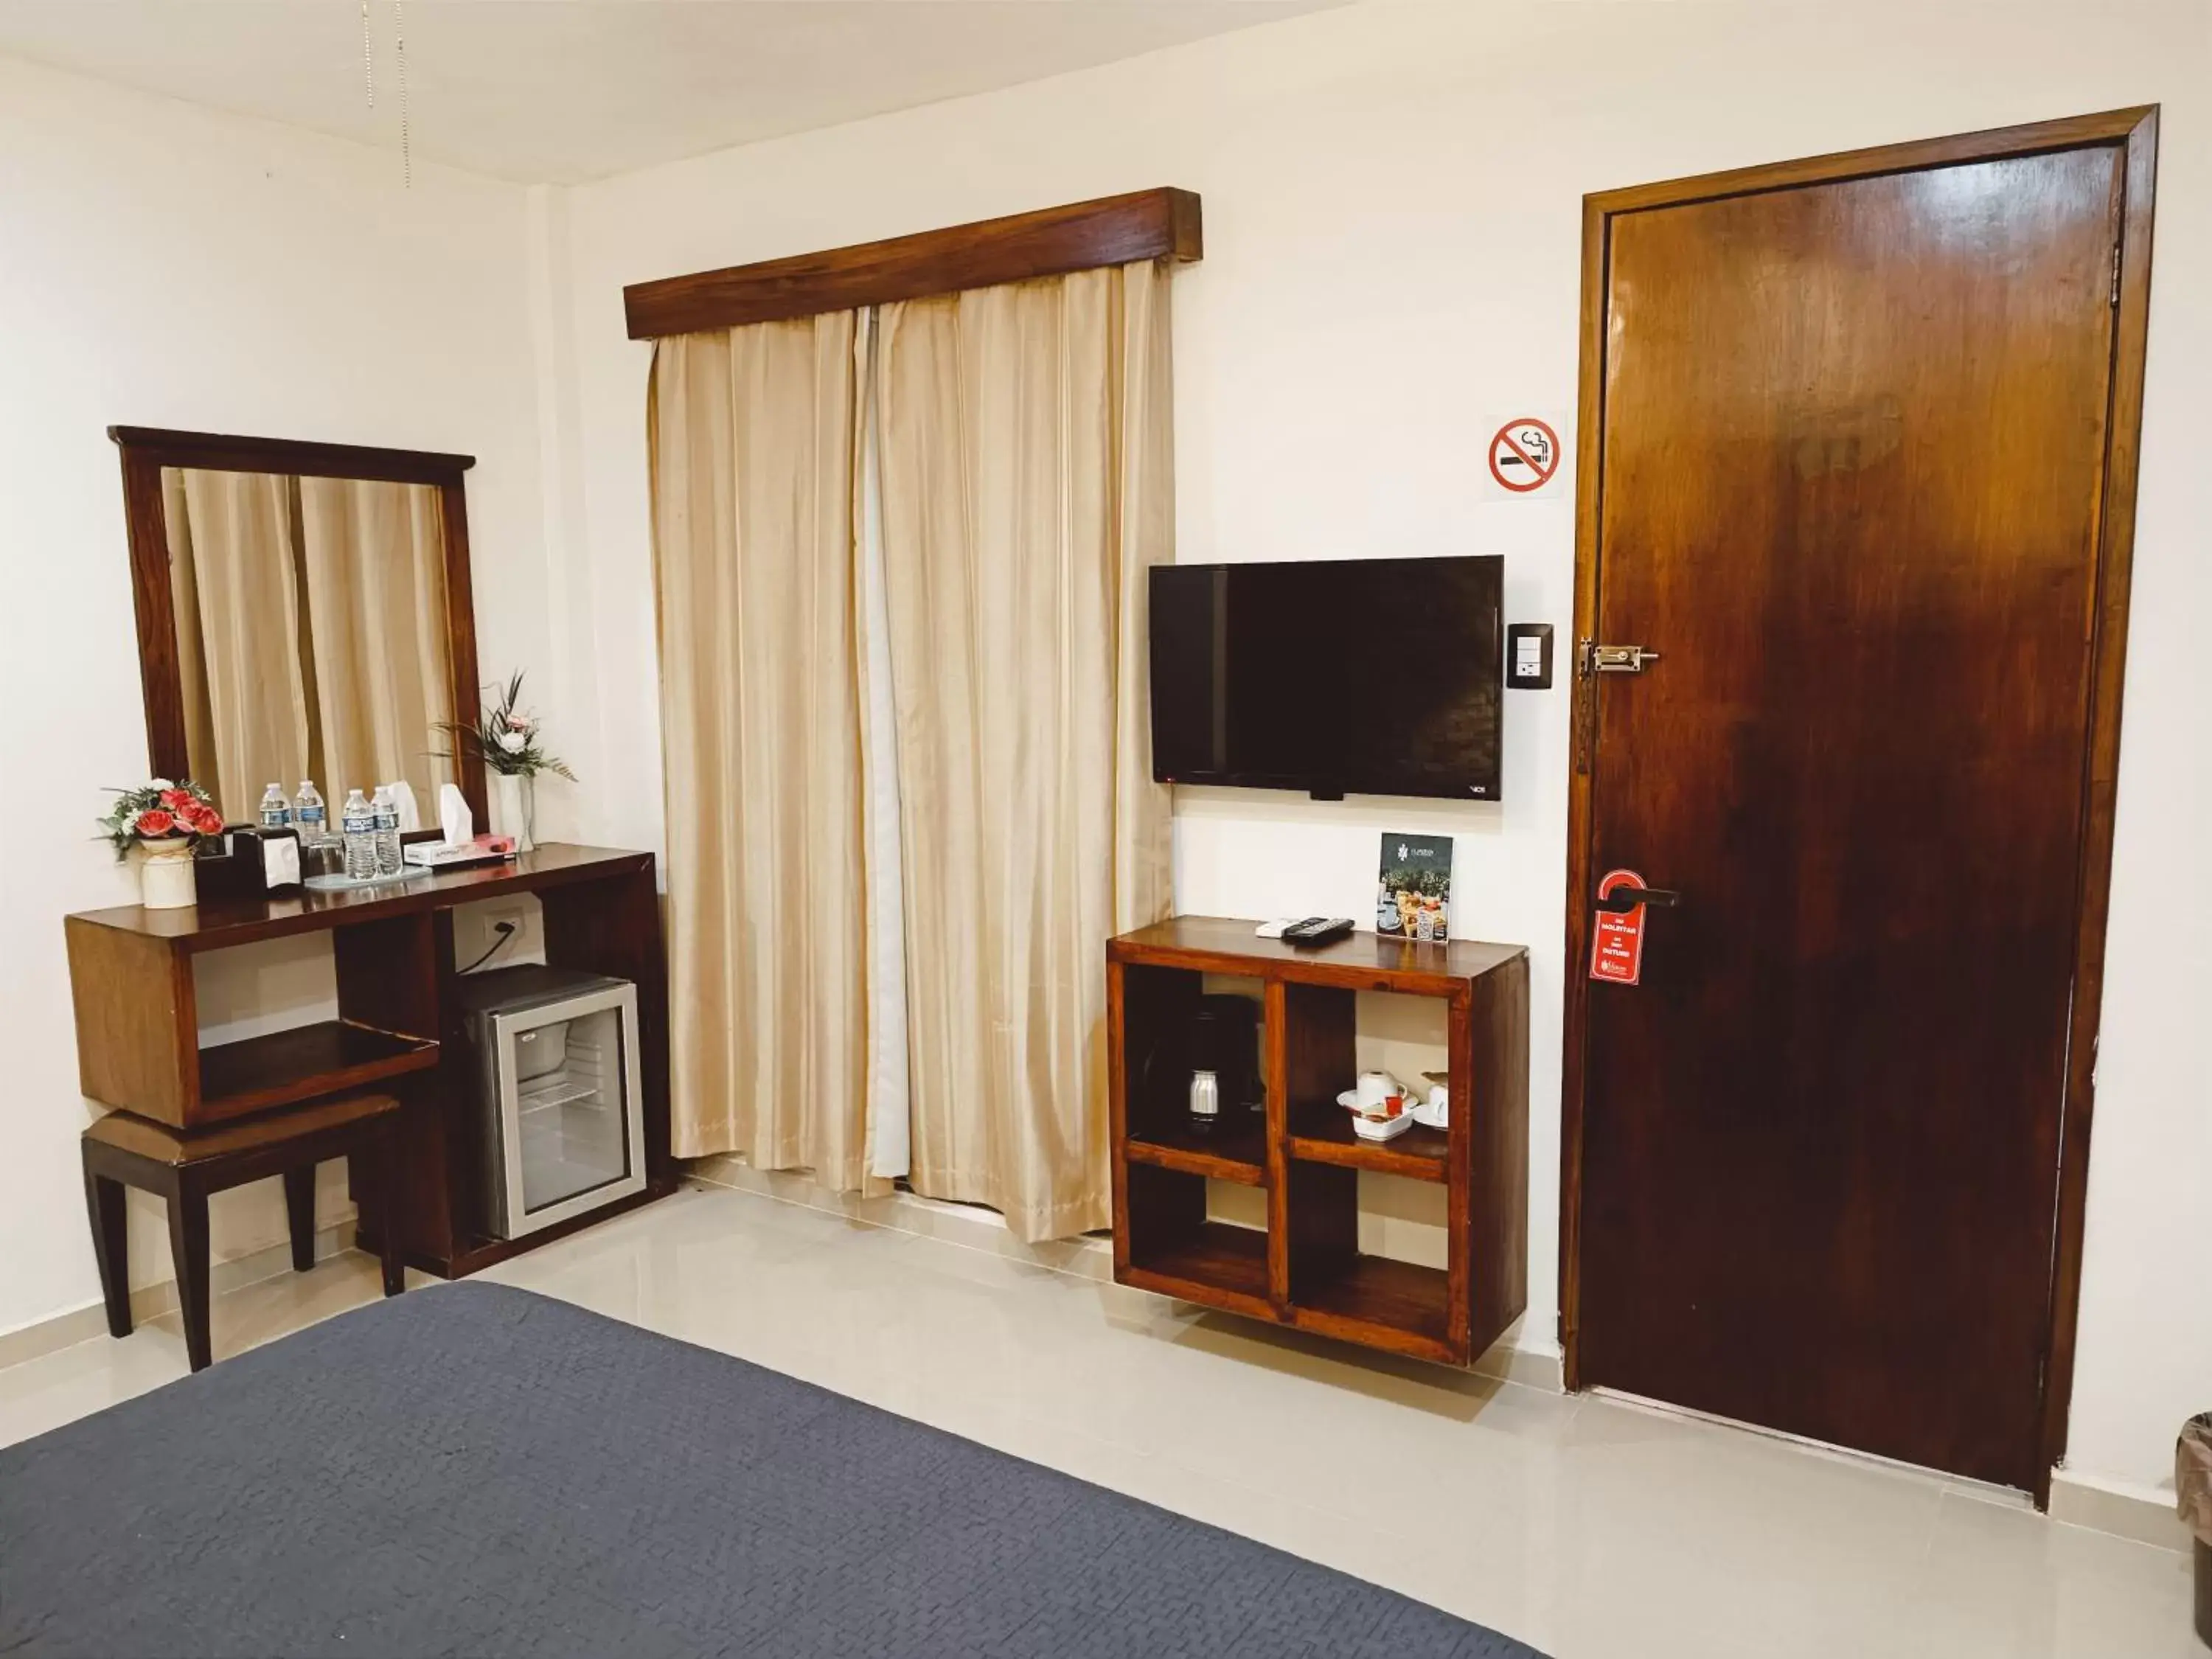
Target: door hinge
x=2115, y=273
x=1585, y=712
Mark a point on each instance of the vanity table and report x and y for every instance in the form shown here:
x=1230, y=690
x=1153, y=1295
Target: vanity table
x=397, y=1030
x=304, y=613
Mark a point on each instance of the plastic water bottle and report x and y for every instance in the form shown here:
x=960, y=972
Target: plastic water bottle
x=359, y=819
x=387, y=807
x=276, y=811
x=308, y=812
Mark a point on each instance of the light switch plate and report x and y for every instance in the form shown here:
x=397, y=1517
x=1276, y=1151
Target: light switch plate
x=1529, y=656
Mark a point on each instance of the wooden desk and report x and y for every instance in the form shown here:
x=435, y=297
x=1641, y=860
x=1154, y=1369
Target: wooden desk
x=137, y=1027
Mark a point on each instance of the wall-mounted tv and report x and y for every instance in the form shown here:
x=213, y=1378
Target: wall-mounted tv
x=1374, y=677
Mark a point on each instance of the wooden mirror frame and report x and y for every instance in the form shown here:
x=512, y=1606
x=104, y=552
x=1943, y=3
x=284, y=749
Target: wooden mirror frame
x=146, y=450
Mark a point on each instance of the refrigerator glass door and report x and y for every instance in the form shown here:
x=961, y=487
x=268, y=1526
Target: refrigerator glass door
x=568, y=1091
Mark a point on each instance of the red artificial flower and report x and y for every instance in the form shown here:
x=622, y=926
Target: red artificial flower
x=178, y=801
x=154, y=821
x=205, y=819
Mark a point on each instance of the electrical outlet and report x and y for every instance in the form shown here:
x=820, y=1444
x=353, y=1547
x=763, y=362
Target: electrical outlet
x=477, y=938
x=514, y=915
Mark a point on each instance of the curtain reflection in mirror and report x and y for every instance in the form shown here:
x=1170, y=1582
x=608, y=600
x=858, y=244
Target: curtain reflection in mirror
x=311, y=633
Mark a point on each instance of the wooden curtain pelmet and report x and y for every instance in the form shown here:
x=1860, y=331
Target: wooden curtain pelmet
x=1112, y=230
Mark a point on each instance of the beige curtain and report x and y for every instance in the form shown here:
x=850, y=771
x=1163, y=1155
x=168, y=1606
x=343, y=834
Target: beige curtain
x=311, y=633
x=233, y=547
x=373, y=559
x=1027, y=480
x=753, y=435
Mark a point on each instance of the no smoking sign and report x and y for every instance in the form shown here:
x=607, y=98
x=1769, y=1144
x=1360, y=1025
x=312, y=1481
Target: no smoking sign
x=1524, y=456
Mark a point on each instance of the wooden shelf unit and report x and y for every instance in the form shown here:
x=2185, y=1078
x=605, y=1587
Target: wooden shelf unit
x=397, y=1025
x=1306, y=1270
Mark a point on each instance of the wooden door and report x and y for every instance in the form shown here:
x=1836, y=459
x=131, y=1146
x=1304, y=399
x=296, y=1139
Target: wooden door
x=1853, y=485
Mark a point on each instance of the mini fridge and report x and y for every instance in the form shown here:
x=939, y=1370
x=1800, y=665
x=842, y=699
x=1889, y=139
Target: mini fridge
x=554, y=1057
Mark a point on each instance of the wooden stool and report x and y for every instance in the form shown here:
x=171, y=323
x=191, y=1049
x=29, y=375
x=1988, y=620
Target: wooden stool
x=184, y=1166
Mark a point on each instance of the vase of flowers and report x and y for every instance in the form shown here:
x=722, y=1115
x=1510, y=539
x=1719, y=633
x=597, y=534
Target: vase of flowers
x=506, y=737
x=159, y=823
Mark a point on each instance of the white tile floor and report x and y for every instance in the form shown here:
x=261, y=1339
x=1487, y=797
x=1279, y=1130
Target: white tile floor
x=1589, y=1528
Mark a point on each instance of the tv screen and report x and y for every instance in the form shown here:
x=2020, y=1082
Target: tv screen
x=1375, y=677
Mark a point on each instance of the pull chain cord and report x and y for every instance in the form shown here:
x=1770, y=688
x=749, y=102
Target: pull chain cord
x=367, y=58
x=406, y=136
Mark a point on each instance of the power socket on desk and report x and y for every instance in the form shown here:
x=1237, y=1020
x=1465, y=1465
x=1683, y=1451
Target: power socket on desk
x=477, y=940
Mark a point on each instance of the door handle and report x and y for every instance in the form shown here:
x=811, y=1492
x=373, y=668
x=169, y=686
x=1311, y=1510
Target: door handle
x=1621, y=899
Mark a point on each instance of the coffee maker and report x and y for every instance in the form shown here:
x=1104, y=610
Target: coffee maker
x=1225, y=1040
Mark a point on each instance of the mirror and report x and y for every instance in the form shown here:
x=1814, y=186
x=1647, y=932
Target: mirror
x=303, y=612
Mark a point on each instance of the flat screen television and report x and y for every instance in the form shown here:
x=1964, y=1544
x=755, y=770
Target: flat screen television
x=1373, y=677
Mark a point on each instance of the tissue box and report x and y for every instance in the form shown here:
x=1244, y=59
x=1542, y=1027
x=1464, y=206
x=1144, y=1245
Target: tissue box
x=454, y=855
x=246, y=861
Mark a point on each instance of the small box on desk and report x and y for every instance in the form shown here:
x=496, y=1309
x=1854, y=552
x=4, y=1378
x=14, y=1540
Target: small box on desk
x=458, y=854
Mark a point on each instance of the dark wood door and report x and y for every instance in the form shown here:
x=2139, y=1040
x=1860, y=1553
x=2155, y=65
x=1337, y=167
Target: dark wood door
x=1854, y=458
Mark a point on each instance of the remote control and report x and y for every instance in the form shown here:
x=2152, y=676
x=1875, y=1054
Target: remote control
x=1317, y=930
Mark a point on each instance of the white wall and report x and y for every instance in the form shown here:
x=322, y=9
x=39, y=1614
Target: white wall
x=164, y=265
x=1392, y=203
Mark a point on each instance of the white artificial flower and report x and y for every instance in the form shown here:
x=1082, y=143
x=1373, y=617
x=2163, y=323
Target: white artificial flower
x=515, y=742
x=160, y=783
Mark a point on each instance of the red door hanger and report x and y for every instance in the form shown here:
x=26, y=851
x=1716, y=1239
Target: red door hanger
x=1617, y=940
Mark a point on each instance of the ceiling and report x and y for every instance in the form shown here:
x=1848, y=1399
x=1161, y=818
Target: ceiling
x=562, y=91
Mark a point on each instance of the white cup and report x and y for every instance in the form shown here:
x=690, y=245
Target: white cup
x=1436, y=1111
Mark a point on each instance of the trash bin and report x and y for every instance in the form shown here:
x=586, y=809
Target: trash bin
x=2192, y=1496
